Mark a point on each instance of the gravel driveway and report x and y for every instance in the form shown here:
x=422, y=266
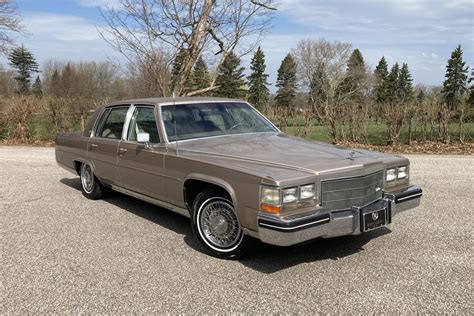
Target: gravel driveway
x=63, y=253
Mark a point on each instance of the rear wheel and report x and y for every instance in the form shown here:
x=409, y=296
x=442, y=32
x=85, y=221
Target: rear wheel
x=216, y=226
x=91, y=187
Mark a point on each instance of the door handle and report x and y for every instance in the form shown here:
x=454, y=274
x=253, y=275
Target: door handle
x=122, y=150
x=94, y=145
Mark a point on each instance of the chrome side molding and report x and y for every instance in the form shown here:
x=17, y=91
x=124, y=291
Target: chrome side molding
x=168, y=206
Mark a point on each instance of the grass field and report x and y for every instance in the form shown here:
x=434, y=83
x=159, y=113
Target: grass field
x=377, y=133
x=41, y=128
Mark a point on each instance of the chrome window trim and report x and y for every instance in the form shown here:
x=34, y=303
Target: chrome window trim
x=101, y=116
x=97, y=122
x=128, y=118
x=132, y=109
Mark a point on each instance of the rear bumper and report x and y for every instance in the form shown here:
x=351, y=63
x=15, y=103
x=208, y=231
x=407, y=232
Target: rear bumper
x=326, y=224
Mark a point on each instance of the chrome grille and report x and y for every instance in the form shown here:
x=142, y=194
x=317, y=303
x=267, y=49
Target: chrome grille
x=339, y=194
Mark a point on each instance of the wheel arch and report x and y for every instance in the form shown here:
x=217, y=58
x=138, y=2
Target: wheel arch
x=195, y=183
x=79, y=161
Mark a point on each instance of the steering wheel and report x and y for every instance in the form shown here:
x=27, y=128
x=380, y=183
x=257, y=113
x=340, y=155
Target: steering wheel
x=238, y=125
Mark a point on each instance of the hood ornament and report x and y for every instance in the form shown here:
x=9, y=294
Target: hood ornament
x=352, y=155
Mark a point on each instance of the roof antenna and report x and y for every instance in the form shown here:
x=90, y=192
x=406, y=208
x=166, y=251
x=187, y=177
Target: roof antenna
x=175, y=128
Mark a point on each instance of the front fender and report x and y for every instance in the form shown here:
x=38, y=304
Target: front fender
x=216, y=181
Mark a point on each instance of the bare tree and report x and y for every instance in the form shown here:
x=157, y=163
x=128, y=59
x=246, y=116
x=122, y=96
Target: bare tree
x=138, y=29
x=10, y=21
x=149, y=77
x=321, y=71
x=7, y=83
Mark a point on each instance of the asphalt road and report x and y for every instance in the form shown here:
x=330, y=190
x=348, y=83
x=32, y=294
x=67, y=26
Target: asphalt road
x=63, y=253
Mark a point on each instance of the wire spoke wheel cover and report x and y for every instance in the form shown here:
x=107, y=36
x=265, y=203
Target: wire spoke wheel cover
x=218, y=225
x=87, y=178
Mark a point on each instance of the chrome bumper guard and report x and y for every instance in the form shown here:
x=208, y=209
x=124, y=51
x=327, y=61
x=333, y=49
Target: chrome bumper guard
x=322, y=224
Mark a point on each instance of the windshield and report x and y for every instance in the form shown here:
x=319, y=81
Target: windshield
x=212, y=119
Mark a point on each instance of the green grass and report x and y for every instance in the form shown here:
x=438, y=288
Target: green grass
x=377, y=133
x=41, y=127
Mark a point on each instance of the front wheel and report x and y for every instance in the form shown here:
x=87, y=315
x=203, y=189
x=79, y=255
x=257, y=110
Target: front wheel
x=91, y=187
x=216, y=226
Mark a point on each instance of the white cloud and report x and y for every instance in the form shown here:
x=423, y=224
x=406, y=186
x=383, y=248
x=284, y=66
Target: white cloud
x=100, y=3
x=419, y=32
x=64, y=37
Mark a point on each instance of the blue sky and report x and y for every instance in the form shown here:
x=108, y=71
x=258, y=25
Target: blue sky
x=420, y=32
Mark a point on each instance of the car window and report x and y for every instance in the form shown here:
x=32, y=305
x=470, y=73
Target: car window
x=111, y=124
x=197, y=120
x=143, y=121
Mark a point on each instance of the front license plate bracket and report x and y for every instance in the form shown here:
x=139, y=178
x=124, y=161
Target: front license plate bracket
x=374, y=219
x=373, y=216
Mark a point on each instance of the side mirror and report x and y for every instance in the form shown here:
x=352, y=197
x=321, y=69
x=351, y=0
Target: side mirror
x=144, y=138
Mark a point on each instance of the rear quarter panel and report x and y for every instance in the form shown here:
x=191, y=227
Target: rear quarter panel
x=71, y=147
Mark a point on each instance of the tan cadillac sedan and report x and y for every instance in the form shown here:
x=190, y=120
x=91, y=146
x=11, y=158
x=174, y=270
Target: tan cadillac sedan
x=234, y=173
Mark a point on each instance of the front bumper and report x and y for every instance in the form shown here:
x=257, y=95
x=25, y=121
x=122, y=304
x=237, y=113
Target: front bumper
x=326, y=224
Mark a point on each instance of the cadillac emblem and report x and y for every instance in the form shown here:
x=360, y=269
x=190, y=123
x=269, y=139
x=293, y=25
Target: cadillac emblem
x=375, y=215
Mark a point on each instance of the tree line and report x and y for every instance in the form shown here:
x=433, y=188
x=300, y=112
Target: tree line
x=195, y=48
x=319, y=82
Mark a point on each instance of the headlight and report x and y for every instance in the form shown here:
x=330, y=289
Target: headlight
x=402, y=172
x=307, y=191
x=270, y=195
x=274, y=199
x=391, y=174
x=289, y=195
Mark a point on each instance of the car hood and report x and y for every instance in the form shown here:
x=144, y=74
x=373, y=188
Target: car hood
x=271, y=153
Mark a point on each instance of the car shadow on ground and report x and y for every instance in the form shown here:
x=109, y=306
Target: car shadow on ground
x=263, y=257
x=270, y=259
x=153, y=213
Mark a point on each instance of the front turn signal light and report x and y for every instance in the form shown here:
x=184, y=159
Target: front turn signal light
x=270, y=208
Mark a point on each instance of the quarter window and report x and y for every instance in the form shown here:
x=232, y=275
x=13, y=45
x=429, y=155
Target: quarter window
x=111, y=125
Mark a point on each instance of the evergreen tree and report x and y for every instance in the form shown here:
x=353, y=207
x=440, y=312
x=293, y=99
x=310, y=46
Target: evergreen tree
x=405, y=89
x=177, y=64
x=381, y=85
x=356, y=65
x=392, y=84
x=470, y=100
x=350, y=95
x=286, y=81
x=258, y=90
x=54, y=86
x=455, y=84
x=317, y=88
x=68, y=80
x=37, y=88
x=420, y=97
x=230, y=78
x=25, y=63
x=352, y=83
x=200, y=77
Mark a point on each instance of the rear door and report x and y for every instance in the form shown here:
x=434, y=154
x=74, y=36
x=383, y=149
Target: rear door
x=141, y=168
x=103, y=146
